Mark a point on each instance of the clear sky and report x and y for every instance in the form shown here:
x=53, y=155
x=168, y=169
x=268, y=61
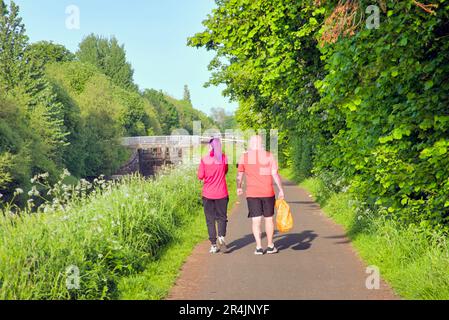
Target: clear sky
x=154, y=33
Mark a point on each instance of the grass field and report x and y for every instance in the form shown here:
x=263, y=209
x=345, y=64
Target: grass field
x=160, y=275
x=413, y=260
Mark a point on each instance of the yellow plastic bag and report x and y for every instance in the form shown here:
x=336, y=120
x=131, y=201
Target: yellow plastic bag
x=284, y=219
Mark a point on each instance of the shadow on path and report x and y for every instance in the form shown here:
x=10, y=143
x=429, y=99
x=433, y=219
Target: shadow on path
x=241, y=243
x=294, y=241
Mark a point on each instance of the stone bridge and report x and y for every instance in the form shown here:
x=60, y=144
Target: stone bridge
x=152, y=153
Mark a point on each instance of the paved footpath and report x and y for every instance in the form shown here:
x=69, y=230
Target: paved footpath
x=316, y=261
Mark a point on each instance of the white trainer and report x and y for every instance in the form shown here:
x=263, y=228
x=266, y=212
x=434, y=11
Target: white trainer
x=214, y=249
x=222, y=244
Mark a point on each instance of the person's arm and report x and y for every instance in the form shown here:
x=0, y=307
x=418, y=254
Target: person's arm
x=239, y=183
x=240, y=174
x=278, y=182
x=277, y=178
x=201, y=171
x=226, y=165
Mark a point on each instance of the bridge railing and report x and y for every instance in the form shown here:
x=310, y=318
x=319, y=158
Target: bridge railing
x=174, y=141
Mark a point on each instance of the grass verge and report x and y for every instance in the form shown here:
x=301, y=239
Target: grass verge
x=412, y=259
x=104, y=245
x=160, y=275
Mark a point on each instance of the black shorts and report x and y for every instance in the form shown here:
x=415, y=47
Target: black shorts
x=258, y=207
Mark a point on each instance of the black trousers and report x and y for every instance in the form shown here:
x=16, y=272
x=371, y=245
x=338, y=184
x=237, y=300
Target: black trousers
x=216, y=212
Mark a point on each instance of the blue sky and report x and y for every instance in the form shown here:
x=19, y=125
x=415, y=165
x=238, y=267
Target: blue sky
x=154, y=33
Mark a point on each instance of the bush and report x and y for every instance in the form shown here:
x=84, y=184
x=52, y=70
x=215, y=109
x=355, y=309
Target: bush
x=302, y=153
x=388, y=117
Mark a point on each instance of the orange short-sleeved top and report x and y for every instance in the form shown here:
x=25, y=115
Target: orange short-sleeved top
x=259, y=167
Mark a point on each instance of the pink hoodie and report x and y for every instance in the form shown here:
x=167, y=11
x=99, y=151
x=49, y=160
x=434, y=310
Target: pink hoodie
x=214, y=176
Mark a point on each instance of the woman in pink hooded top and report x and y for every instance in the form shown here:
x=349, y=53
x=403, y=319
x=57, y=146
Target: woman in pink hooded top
x=212, y=171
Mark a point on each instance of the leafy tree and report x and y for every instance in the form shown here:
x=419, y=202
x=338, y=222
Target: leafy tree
x=13, y=42
x=224, y=119
x=387, y=118
x=23, y=151
x=49, y=52
x=109, y=57
x=37, y=141
x=3, y=10
x=138, y=118
x=187, y=94
x=367, y=104
x=74, y=155
x=167, y=113
x=100, y=114
x=188, y=114
x=5, y=170
x=176, y=114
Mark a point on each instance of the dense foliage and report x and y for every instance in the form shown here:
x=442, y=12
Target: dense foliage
x=109, y=57
x=224, y=119
x=32, y=132
x=63, y=110
x=367, y=105
x=188, y=114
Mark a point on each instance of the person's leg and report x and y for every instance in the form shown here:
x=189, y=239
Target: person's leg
x=221, y=207
x=209, y=211
x=269, y=230
x=268, y=211
x=257, y=231
x=255, y=210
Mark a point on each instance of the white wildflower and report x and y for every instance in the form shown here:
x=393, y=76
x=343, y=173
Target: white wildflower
x=33, y=192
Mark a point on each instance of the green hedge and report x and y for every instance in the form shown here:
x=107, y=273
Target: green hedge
x=371, y=102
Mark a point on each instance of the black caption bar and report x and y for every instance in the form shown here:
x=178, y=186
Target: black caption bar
x=181, y=310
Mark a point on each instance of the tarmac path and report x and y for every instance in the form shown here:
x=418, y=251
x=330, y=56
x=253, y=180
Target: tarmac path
x=316, y=261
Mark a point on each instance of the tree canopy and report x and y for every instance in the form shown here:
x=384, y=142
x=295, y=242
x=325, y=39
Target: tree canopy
x=63, y=110
x=109, y=57
x=366, y=105
x=187, y=94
